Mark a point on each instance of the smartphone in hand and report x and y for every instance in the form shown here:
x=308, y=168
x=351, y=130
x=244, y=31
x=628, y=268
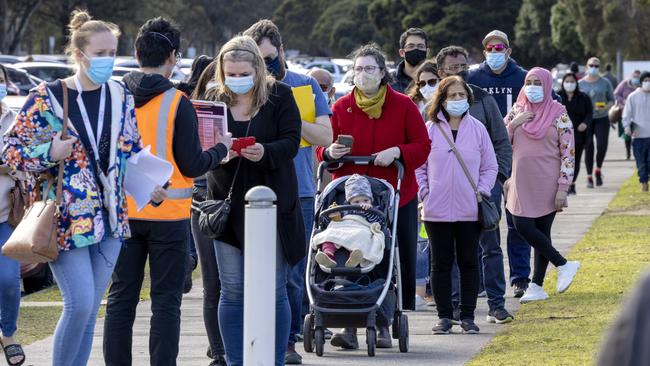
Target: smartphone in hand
x=346, y=140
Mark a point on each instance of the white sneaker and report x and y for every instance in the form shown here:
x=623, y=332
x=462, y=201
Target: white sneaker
x=565, y=275
x=533, y=293
x=420, y=304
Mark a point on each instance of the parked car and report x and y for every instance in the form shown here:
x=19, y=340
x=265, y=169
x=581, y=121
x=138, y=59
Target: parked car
x=345, y=86
x=58, y=59
x=9, y=59
x=47, y=71
x=132, y=64
x=337, y=69
x=22, y=80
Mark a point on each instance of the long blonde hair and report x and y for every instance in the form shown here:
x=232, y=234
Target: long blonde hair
x=242, y=48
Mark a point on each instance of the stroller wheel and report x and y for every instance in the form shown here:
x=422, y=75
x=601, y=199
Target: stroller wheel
x=395, y=325
x=308, y=333
x=403, y=333
x=319, y=341
x=371, y=340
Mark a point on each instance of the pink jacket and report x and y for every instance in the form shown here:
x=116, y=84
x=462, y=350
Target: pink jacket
x=444, y=190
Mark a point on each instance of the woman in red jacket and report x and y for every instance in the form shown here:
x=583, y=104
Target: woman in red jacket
x=387, y=125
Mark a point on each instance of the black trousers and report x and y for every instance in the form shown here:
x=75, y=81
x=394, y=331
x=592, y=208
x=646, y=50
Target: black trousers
x=165, y=245
x=445, y=239
x=537, y=232
x=580, y=139
x=600, y=128
x=407, y=239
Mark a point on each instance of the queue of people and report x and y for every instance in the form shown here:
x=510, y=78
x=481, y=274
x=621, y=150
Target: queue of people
x=495, y=132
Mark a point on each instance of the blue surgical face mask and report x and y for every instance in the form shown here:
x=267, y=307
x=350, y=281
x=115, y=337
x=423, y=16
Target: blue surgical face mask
x=636, y=81
x=593, y=71
x=3, y=91
x=100, y=68
x=534, y=93
x=495, y=60
x=456, y=108
x=240, y=85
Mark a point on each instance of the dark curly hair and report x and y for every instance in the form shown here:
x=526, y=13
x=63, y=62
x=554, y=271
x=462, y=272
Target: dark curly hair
x=438, y=101
x=156, y=39
x=372, y=49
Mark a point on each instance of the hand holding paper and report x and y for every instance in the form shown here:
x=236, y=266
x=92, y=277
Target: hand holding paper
x=145, y=172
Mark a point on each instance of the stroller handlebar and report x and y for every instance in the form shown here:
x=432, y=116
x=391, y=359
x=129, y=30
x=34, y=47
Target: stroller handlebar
x=359, y=160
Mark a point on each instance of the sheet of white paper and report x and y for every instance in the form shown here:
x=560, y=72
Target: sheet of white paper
x=144, y=172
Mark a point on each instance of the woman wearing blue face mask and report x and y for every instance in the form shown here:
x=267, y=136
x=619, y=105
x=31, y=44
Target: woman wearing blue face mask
x=103, y=135
x=449, y=202
x=261, y=107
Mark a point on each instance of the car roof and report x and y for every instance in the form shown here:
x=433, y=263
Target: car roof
x=23, y=65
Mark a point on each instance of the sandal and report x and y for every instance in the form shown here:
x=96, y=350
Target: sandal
x=12, y=351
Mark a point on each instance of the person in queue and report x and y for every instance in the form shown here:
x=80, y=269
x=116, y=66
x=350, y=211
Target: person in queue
x=452, y=225
x=413, y=50
x=426, y=82
x=622, y=91
x=541, y=133
x=578, y=106
x=636, y=122
x=9, y=268
x=262, y=107
x=160, y=234
x=93, y=223
x=398, y=133
x=326, y=83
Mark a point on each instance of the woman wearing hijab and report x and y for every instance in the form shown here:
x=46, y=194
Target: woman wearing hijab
x=541, y=134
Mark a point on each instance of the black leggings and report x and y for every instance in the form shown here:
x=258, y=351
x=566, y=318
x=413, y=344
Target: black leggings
x=537, y=232
x=444, y=238
x=580, y=139
x=599, y=128
x=407, y=240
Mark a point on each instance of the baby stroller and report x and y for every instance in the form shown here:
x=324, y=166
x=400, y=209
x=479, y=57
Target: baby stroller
x=356, y=297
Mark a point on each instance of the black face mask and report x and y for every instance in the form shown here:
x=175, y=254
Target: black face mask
x=273, y=66
x=414, y=57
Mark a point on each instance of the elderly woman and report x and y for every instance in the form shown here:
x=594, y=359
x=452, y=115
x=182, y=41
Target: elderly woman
x=388, y=126
x=262, y=107
x=542, y=171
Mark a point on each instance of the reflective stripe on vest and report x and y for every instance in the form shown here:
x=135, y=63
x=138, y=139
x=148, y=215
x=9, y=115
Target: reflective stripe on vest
x=156, y=120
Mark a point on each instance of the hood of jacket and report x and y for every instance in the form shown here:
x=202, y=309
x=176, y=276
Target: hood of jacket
x=145, y=87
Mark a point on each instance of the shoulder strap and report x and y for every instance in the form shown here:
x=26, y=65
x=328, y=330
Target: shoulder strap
x=234, y=178
x=461, y=161
x=64, y=136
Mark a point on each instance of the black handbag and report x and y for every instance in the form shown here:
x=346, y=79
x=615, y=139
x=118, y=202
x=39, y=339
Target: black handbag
x=213, y=216
x=488, y=214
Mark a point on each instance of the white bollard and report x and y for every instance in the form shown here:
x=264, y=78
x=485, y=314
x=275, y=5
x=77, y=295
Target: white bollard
x=259, y=277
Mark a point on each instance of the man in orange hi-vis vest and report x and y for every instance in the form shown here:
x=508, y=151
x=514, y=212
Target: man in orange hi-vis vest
x=167, y=122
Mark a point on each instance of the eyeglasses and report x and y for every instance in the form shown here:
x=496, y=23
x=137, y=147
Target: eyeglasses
x=370, y=69
x=324, y=88
x=430, y=82
x=411, y=46
x=456, y=68
x=499, y=47
x=596, y=66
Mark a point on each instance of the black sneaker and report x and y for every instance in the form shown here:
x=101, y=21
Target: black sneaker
x=572, y=189
x=499, y=316
x=469, y=327
x=346, y=339
x=328, y=334
x=599, y=178
x=384, y=340
x=219, y=361
x=442, y=326
x=291, y=357
x=520, y=288
x=590, y=182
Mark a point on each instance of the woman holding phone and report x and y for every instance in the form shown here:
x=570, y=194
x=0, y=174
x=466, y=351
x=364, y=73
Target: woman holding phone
x=387, y=125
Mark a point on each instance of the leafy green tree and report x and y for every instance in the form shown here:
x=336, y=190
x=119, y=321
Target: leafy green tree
x=296, y=20
x=533, y=34
x=15, y=17
x=342, y=27
x=564, y=30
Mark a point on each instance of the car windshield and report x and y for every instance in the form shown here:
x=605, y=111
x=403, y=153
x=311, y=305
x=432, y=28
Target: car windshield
x=50, y=73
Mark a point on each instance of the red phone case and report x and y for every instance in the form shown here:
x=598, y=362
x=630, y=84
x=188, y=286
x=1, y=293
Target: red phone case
x=242, y=143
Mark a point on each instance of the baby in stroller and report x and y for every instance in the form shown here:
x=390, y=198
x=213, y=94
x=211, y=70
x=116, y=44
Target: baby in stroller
x=360, y=235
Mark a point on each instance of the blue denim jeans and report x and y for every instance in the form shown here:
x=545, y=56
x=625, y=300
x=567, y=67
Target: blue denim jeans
x=641, y=149
x=296, y=281
x=231, y=303
x=82, y=276
x=491, y=271
x=422, y=263
x=518, y=254
x=9, y=287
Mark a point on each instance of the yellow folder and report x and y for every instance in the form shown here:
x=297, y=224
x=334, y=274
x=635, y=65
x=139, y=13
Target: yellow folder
x=304, y=96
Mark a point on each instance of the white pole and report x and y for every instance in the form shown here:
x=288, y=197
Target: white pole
x=259, y=277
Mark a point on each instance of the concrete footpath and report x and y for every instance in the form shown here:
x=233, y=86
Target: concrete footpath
x=425, y=349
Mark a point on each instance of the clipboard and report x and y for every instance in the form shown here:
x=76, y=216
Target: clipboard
x=305, y=99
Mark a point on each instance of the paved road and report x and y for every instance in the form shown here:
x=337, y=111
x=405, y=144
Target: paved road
x=426, y=349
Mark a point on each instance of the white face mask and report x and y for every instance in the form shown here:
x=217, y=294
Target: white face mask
x=569, y=86
x=427, y=91
x=367, y=83
x=645, y=86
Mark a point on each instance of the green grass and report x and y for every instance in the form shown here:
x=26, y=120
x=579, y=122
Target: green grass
x=567, y=329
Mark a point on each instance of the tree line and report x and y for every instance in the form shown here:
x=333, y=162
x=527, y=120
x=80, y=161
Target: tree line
x=542, y=32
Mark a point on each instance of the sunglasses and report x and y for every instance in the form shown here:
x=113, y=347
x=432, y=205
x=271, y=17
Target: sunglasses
x=324, y=88
x=596, y=66
x=430, y=82
x=499, y=47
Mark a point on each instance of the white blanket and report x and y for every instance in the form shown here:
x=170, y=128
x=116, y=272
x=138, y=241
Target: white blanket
x=354, y=232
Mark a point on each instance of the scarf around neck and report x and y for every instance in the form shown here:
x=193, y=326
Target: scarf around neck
x=371, y=106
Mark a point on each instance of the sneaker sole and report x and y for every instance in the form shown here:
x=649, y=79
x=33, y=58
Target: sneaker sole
x=441, y=332
x=470, y=331
x=493, y=320
x=573, y=279
x=338, y=342
x=531, y=300
x=518, y=295
x=325, y=261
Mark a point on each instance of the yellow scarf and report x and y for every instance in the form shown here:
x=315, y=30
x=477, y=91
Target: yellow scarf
x=371, y=106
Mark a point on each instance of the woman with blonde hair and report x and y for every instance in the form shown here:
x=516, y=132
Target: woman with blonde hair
x=103, y=135
x=261, y=107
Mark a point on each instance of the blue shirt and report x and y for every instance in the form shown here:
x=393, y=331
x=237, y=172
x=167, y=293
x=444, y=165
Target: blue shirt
x=503, y=87
x=304, y=161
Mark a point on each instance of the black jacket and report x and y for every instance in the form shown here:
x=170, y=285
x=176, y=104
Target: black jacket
x=277, y=127
x=401, y=81
x=192, y=161
x=580, y=108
